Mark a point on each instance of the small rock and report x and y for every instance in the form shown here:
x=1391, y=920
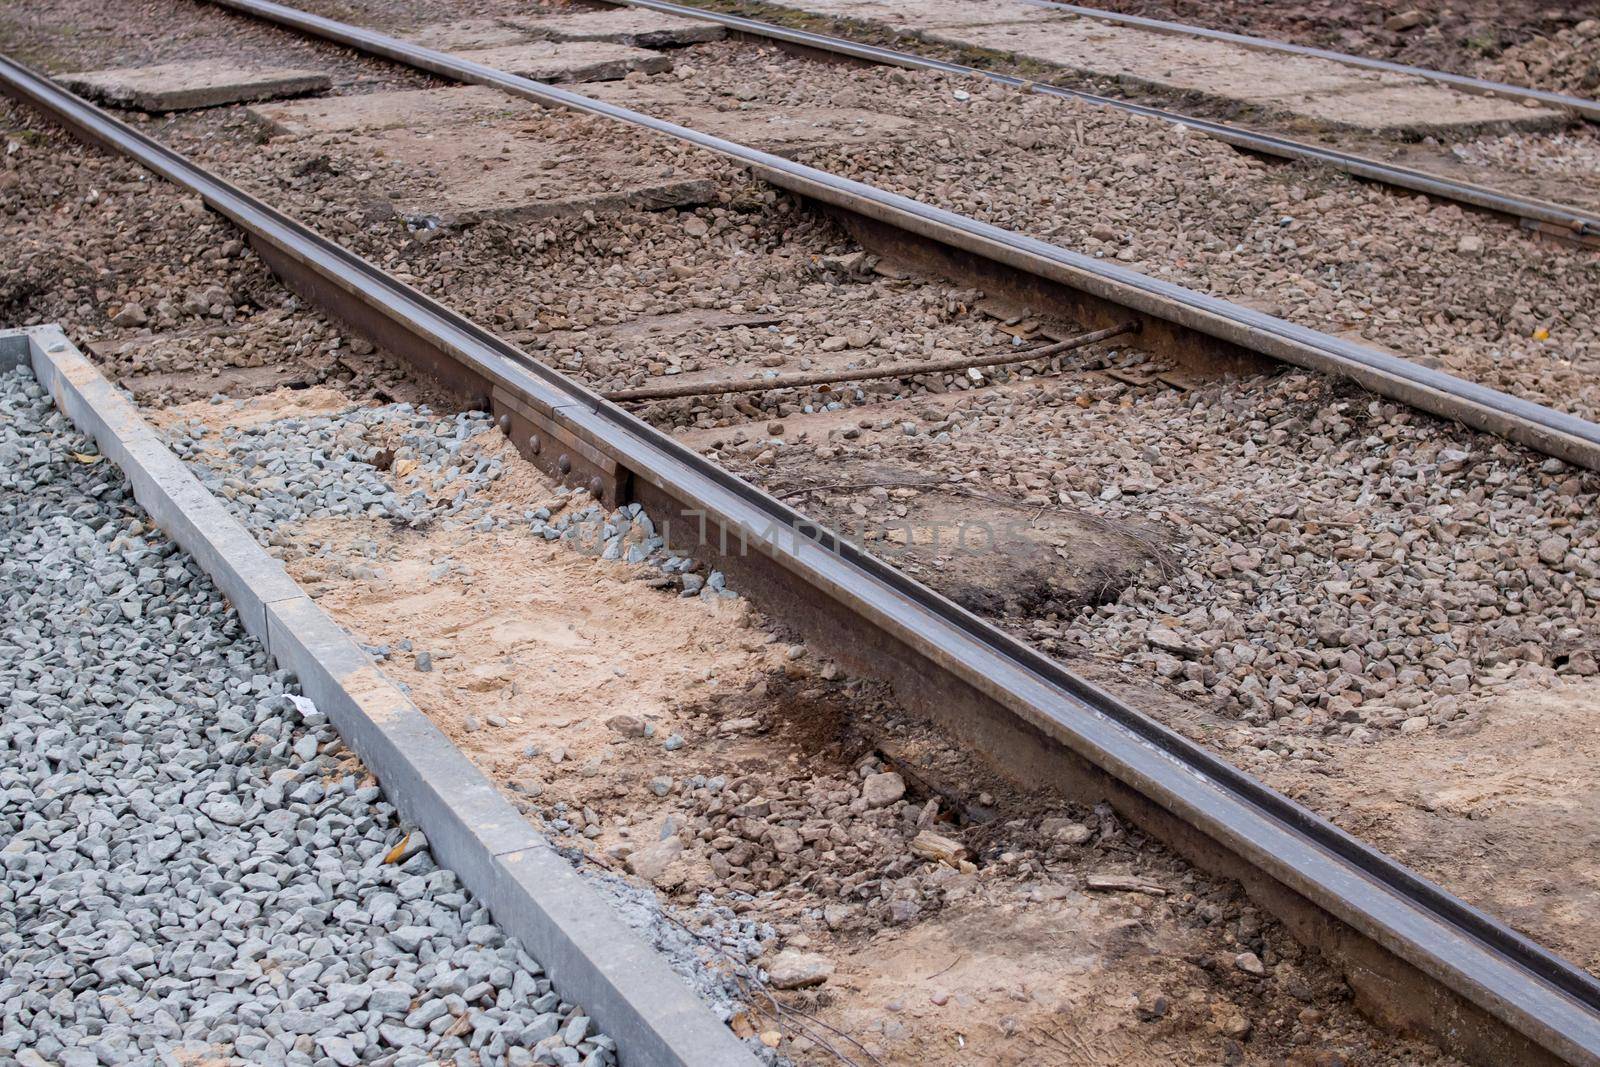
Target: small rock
x=794, y=969
x=130, y=314
x=651, y=862
x=1552, y=550
x=881, y=790
x=627, y=725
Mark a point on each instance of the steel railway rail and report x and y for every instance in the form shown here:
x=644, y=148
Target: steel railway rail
x=1560, y=220
x=1177, y=322
x=1422, y=958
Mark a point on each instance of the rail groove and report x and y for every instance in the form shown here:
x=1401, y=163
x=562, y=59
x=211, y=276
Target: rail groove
x=1543, y=216
x=1418, y=956
x=1176, y=320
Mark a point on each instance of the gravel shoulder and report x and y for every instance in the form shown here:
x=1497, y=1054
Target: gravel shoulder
x=186, y=836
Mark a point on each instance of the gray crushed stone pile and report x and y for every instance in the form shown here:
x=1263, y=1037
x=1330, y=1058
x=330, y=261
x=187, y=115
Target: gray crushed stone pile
x=192, y=868
x=279, y=474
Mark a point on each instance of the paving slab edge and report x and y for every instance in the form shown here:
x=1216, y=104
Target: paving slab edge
x=532, y=892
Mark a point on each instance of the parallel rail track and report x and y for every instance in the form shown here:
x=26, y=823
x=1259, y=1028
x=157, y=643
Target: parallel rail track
x=1175, y=321
x=1544, y=216
x=1422, y=957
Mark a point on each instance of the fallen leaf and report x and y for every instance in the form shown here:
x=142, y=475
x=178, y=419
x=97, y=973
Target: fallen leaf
x=771, y=1038
x=398, y=850
x=1541, y=334
x=84, y=457
x=741, y=1027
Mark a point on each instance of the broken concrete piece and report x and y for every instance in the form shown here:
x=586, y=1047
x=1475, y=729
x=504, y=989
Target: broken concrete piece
x=637, y=27
x=932, y=846
x=479, y=162
x=1123, y=883
x=782, y=130
x=186, y=86
x=569, y=61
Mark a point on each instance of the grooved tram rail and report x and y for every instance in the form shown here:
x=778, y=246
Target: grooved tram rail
x=1426, y=958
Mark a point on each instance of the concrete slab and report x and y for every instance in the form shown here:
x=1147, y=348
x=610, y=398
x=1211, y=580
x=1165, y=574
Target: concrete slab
x=569, y=61
x=784, y=131
x=187, y=86
x=1419, y=108
x=921, y=13
x=625, y=26
x=495, y=173
x=1322, y=90
x=384, y=111
x=475, y=161
x=467, y=33
x=631, y=26
x=1159, y=60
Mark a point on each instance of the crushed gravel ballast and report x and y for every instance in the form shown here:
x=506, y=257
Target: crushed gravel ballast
x=195, y=869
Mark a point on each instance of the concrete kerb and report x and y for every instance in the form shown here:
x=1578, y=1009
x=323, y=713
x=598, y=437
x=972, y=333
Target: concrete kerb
x=532, y=892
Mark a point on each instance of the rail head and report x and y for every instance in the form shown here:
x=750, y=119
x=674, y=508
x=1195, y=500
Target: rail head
x=1526, y=989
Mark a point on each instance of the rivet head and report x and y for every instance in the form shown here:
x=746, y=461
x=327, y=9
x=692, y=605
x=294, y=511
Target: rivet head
x=597, y=487
x=534, y=444
x=505, y=424
x=564, y=464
